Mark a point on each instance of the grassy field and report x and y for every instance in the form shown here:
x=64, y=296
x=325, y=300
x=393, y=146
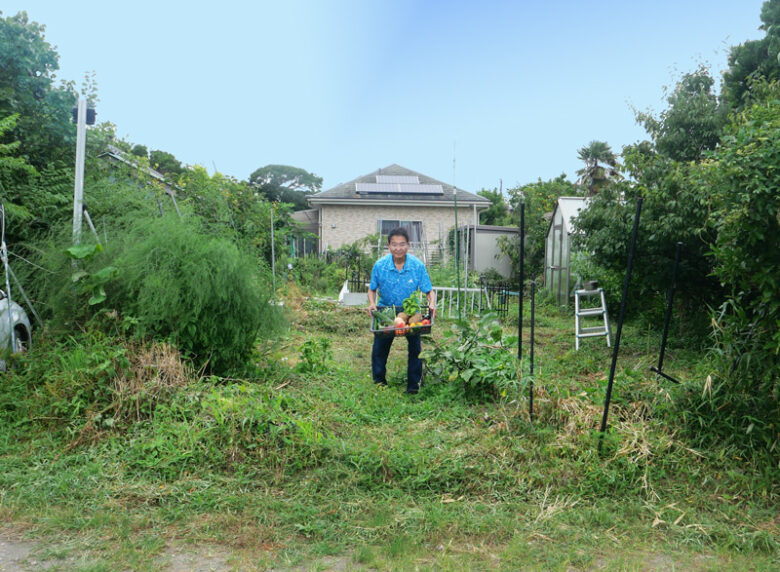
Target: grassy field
x=115, y=456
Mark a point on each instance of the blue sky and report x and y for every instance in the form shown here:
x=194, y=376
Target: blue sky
x=340, y=88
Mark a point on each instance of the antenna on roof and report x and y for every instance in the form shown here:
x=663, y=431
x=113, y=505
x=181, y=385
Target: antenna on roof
x=457, y=236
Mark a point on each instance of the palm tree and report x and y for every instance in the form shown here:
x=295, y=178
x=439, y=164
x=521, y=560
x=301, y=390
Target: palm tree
x=594, y=175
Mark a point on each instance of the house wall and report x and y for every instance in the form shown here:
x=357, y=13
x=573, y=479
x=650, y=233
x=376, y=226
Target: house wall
x=344, y=224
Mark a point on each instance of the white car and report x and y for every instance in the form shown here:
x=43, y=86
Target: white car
x=17, y=321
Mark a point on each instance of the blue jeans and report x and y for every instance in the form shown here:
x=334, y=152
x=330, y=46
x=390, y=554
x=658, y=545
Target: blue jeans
x=379, y=354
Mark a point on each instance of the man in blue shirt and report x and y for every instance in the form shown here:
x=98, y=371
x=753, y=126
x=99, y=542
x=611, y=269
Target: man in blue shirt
x=396, y=276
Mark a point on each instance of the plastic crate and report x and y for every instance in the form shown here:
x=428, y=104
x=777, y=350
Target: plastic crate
x=384, y=332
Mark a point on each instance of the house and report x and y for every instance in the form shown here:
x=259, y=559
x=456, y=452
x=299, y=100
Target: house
x=394, y=196
x=557, y=248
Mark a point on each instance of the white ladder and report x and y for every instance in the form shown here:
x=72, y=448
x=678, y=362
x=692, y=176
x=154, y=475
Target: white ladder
x=581, y=331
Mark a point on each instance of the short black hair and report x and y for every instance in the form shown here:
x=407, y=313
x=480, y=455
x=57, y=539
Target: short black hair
x=398, y=231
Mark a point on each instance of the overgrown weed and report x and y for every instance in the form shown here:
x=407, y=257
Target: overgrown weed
x=317, y=456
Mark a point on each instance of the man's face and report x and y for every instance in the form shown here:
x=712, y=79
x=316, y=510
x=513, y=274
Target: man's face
x=398, y=246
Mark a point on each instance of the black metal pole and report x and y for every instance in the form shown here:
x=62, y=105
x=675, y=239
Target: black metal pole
x=520, y=293
x=621, y=316
x=531, y=360
x=668, y=317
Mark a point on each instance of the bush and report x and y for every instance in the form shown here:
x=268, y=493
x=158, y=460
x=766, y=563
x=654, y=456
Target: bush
x=745, y=187
x=201, y=293
x=481, y=363
x=173, y=282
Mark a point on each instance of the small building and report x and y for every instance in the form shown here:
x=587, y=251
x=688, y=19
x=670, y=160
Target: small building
x=484, y=253
x=557, y=248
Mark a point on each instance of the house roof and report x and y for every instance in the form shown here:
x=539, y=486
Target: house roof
x=395, y=184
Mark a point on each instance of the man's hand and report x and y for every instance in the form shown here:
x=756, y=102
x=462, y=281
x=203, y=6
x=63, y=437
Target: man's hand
x=432, y=303
x=371, y=301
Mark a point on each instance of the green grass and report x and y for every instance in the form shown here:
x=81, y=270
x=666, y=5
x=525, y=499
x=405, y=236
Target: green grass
x=318, y=470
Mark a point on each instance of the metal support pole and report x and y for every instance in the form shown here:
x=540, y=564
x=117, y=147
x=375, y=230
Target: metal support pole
x=26, y=299
x=522, y=279
x=474, y=241
x=621, y=316
x=668, y=316
x=78, y=193
x=90, y=225
x=531, y=360
x=273, y=254
x=457, y=239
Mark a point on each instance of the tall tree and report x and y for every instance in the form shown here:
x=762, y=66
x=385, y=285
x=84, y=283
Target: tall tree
x=27, y=87
x=600, y=166
x=754, y=59
x=286, y=184
x=539, y=199
x=498, y=212
x=166, y=163
x=693, y=121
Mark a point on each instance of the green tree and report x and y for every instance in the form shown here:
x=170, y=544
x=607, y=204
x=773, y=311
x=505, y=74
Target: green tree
x=692, y=122
x=165, y=163
x=745, y=187
x=663, y=171
x=286, y=184
x=27, y=88
x=754, y=59
x=140, y=151
x=600, y=167
x=498, y=212
x=539, y=199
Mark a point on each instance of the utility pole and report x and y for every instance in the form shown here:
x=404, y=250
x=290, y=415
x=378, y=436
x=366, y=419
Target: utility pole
x=78, y=194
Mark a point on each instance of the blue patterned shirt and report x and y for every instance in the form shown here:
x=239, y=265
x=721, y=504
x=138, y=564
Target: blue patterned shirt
x=396, y=285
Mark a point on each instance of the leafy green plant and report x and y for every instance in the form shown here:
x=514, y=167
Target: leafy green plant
x=411, y=304
x=479, y=361
x=315, y=356
x=91, y=282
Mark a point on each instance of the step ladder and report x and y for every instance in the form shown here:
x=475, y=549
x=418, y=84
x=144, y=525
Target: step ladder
x=581, y=331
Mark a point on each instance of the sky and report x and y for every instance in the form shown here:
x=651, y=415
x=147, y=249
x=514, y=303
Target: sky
x=483, y=94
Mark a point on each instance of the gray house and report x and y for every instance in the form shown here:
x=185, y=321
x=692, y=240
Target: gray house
x=393, y=196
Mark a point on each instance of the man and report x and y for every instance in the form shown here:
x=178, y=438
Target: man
x=396, y=276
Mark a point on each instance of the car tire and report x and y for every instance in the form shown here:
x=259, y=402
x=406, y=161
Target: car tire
x=21, y=341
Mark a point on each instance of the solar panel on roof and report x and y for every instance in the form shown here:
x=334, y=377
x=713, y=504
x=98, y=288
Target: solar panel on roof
x=402, y=179
x=399, y=188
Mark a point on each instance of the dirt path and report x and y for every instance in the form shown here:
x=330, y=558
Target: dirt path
x=18, y=555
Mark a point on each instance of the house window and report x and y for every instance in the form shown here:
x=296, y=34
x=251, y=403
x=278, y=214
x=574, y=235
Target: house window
x=413, y=227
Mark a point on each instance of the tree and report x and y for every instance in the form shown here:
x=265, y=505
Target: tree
x=754, y=59
x=594, y=176
x=27, y=88
x=165, y=163
x=693, y=121
x=14, y=172
x=498, y=212
x=539, y=199
x=286, y=184
x=140, y=151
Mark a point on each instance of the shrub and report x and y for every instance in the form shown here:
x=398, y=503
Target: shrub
x=173, y=282
x=480, y=363
x=200, y=292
